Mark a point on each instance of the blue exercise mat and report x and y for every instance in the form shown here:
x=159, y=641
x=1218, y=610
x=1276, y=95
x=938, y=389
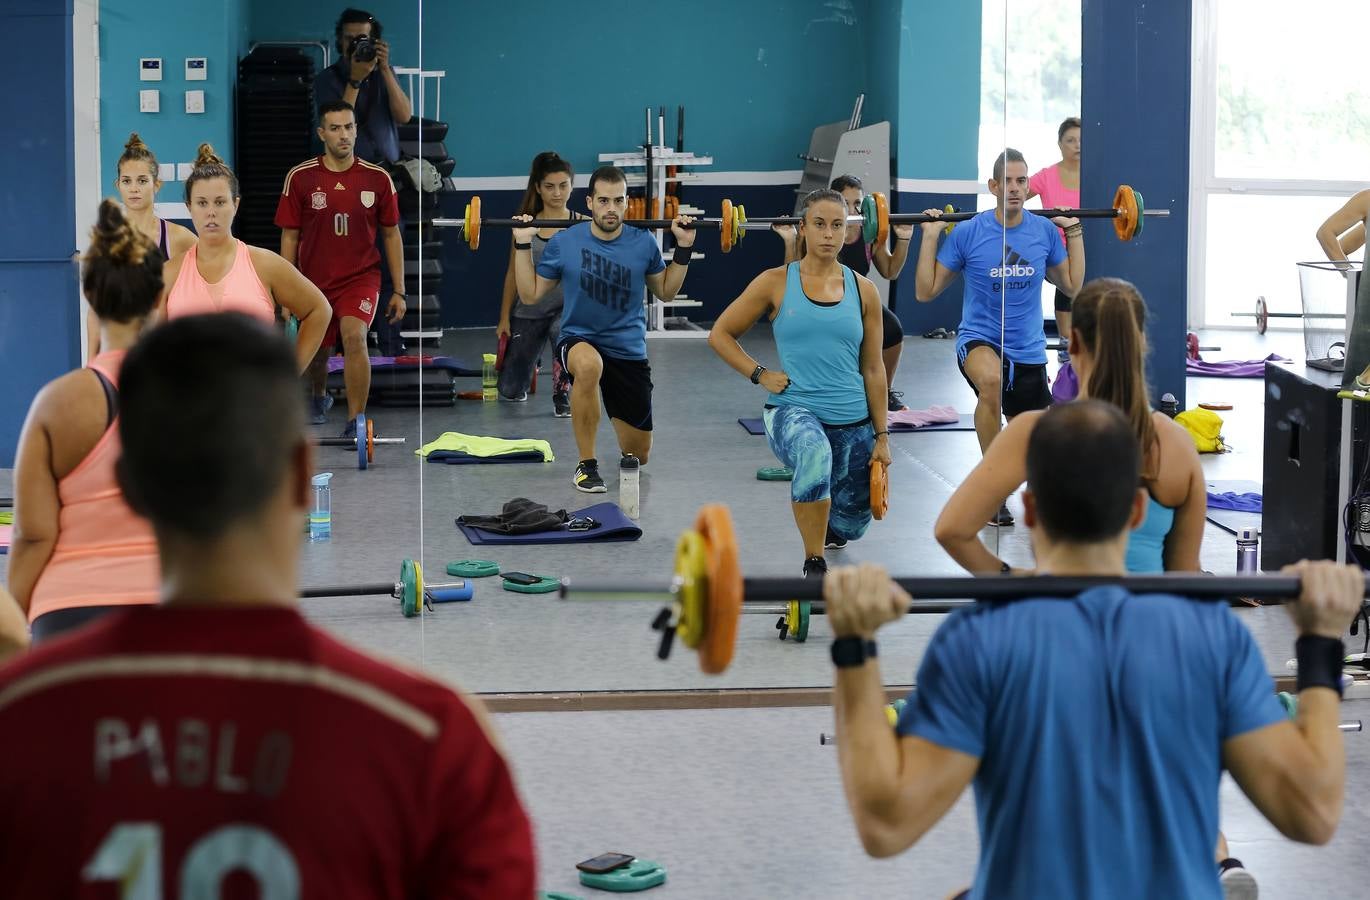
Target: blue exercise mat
x=614, y=526
x=965, y=423
x=458, y=458
x=1229, y=520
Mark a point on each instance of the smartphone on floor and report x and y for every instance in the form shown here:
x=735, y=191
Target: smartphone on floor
x=605, y=862
x=522, y=578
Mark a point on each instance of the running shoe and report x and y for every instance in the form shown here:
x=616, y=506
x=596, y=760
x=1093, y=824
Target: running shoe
x=319, y=407
x=896, y=402
x=519, y=399
x=1237, y=882
x=815, y=567
x=587, y=477
x=1004, y=518
x=561, y=405
x=1063, y=356
x=350, y=431
x=832, y=541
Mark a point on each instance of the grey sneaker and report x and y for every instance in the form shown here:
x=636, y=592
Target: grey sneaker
x=896, y=401
x=561, y=406
x=319, y=407
x=519, y=399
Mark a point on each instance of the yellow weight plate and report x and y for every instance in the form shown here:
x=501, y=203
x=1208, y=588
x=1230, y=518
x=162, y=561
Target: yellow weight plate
x=691, y=567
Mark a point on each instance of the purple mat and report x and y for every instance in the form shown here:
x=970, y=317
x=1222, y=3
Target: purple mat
x=964, y=423
x=448, y=363
x=457, y=458
x=614, y=526
x=1231, y=368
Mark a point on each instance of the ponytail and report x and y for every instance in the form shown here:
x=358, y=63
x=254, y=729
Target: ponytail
x=1110, y=316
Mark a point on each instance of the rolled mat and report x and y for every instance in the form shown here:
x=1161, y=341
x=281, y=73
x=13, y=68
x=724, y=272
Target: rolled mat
x=965, y=423
x=613, y=527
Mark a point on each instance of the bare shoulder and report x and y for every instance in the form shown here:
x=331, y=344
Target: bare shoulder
x=179, y=239
x=1176, y=442
x=55, y=401
x=267, y=262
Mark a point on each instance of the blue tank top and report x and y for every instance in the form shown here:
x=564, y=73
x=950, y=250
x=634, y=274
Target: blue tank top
x=820, y=349
x=1146, y=545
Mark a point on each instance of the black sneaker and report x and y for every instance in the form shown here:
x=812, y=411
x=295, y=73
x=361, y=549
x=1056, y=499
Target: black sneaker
x=587, y=477
x=561, y=405
x=815, y=567
x=832, y=541
x=1004, y=518
x=896, y=402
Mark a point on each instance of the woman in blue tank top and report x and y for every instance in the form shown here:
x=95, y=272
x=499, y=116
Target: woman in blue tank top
x=1108, y=349
x=825, y=416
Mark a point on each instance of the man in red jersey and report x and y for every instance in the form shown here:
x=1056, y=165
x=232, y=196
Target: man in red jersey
x=329, y=212
x=218, y=745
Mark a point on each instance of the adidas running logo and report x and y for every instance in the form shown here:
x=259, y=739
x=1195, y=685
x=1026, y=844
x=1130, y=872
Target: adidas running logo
x=1014, y=266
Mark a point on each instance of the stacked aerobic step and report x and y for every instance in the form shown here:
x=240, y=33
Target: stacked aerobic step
x=275, y=132
x=422, y=139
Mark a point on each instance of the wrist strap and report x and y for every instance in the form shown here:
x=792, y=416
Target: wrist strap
x=878, y=433
x=1320, y=662
x=527, y=245
x=682, y=255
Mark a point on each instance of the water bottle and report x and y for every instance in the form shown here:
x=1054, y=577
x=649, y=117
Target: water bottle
x=489, y=381
x=627, y=485
x=321, y=513
x=1169, y=405
x=1248, y=545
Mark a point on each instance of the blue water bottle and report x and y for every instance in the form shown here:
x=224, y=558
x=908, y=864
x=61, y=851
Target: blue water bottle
x=321, y=512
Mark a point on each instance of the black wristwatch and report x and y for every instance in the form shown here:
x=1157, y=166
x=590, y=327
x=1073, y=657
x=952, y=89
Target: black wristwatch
x=851, y=651
x=756, y=374
x=355, y=84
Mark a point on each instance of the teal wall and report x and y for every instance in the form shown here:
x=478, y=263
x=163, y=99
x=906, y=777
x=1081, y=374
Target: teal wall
x=937, y=128
x=172, y=30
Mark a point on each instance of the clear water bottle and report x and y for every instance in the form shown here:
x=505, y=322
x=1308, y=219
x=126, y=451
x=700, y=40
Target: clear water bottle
x=627, y=485
x=321, y=512
x=489, y=381
x=1248, y=547
x=1169, y=405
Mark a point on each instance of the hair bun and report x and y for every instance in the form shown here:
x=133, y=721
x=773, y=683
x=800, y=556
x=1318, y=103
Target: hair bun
x=134, y=143
x=207, y=157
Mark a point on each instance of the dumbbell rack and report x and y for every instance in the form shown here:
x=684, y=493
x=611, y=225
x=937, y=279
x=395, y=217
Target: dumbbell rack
x=663, y=158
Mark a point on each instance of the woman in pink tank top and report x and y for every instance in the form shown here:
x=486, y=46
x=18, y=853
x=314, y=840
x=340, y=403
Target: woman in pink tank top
x=78, y=550
x=1059, y=187
x=223, y=274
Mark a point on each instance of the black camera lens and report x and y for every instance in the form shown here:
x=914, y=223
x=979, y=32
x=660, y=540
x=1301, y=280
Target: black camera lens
x=363, y=48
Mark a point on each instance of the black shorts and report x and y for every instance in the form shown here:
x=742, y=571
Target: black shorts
x=626, y=385
x=894, y=332
x=1063, y=305
x=1029, y=390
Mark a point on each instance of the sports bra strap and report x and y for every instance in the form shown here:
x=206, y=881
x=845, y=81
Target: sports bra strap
x=111, y=397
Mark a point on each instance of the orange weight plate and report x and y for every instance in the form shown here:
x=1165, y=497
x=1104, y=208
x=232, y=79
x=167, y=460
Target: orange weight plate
x=1125, y=224
x=725, y=228
x=724, y=605
x=882, y=219
x=880, y=489
x=473, y=232
x=370, y=440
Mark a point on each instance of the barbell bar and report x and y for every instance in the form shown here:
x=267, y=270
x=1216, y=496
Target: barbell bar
x=410, y=590
x=1263, y=315
x=707, y=595
x=1128, y=213
x=1351, y=725
x=366, y=448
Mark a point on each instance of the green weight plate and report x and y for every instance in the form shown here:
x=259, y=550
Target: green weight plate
x=1141, y=212
x=409, y=596
x=1289, y=702
x=558, y=895
x=638, y=875
x=473, y=568
x=870, y=228
x=801, y=634
x=775, y=473
x=545, y=586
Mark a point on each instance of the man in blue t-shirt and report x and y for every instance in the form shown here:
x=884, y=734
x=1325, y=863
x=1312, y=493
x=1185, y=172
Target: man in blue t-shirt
x=603, y=267
x=1095, y=728
x=1004, y=254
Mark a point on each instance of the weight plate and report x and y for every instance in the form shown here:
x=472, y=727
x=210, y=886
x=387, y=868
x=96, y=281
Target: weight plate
x=691, y=568
x=545, y=586
x=880, y=489
x=409, y=590
x=360, y=438
x=473, y=568
x=1141, y=212
x=723, y=607
x=868, y=223
x=775, y=473
x=1262, y=316
x=370, y=441
x=638, y=875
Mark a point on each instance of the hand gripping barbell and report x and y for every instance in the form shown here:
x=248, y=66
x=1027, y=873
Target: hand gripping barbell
x=708, y=592
x=1128, y=213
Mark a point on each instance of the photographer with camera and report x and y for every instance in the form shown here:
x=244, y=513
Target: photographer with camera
x=362, y=76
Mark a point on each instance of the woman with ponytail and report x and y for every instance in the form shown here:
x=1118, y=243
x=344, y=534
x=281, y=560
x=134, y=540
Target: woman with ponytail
x=1108, y=349
x=222, y=274
x=529, y=325
x=78, y=550
x=138, y=183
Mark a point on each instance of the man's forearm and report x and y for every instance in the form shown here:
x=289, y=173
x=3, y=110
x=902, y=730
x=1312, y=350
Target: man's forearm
x=1075, y=251
x=1318, y=719
x=525, y=279
x=394, y=258
x=672, y=280
x=925, y=275
x=400, y=109
x=867, y=747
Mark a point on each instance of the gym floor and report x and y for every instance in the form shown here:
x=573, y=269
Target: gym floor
x=766, y=773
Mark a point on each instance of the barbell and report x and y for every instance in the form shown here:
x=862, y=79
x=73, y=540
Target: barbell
x=1128, y=213
x=1263, y=315
x=411, y=590
x=365, y=442
x=706, y=596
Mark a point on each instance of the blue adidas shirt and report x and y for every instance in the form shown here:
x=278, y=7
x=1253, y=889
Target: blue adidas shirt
x=1099, y=723
x=1003, y=266
x=602, y=284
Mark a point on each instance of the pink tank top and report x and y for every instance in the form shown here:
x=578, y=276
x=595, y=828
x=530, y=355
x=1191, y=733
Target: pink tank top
x=105, y=554
x=1047, y=185
x=238, y=291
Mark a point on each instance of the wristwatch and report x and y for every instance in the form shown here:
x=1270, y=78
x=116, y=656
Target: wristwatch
x=355, y=84
x=851, y=651
x=756, y=374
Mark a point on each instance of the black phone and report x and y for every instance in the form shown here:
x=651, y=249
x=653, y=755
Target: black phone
x=605, y=862
x=520, y=578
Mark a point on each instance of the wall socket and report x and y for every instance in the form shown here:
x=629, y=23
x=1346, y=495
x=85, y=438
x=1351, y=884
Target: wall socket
x=149, y=101
x=166, y=172
x=183, y=170
x=195, y=101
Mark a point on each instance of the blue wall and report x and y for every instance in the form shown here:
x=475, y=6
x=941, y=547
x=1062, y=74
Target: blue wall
x=1135, y=111
x=938, y=125
x=755, y=78
x=172, y=30
x=38, y=287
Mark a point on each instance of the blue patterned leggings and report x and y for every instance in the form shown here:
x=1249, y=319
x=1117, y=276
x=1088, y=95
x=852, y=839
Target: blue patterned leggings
x=828, y=462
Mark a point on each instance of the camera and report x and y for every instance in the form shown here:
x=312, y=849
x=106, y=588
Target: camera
x=362, y=48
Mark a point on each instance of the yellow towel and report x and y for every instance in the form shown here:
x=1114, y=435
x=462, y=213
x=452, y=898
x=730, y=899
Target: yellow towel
x=478, y=445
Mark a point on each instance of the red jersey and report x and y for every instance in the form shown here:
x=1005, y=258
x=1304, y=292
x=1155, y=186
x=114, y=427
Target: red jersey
x=337, y=214
x=230, y=753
